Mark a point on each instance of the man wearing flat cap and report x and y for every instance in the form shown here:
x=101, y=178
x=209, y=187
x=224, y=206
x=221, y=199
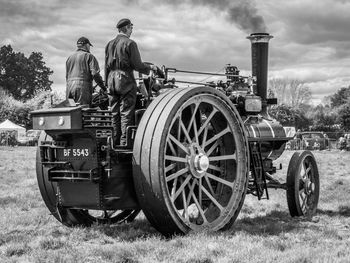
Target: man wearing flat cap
x=122, y=58
x=81, y=69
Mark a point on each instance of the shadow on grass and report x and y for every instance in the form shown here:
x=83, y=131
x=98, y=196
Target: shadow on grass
x=138, y=229
x=342, y=211
x=273, y=223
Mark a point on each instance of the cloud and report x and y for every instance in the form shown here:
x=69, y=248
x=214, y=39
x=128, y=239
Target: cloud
x=318, y=25
x=242, y=13
x=310, y=41
x=17, y=14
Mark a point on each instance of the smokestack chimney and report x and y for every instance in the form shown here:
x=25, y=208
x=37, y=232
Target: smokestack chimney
x=260, y=49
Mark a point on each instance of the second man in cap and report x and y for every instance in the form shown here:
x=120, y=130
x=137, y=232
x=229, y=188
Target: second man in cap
x=81, y=69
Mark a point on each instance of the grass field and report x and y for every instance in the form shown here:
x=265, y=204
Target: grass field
x=263, y=232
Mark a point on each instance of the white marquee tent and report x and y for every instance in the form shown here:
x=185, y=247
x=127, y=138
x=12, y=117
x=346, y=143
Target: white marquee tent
x=8, y=126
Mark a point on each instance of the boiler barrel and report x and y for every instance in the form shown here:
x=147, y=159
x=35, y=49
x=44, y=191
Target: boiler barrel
x=269, y=133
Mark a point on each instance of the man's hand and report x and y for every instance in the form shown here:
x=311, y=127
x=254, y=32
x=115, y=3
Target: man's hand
x=154, y=67
x=157, y=71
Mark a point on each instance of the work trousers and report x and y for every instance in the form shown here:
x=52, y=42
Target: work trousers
x=123, y=112
x=80, y=91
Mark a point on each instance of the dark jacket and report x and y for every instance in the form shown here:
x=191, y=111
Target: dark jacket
x=81, y=68
x=123, y=54
x=81, y=65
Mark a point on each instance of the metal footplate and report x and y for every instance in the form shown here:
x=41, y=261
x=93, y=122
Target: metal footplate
x=70, y=175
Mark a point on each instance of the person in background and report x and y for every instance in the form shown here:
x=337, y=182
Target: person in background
x=81, y=69
x=342, y=142
x=326, y=142
x=122, y=58
x=299, y=139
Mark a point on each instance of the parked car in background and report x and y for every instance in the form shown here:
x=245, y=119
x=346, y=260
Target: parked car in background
x=31, y=138
x=314, y=141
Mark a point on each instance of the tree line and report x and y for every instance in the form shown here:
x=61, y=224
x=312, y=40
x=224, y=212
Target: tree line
x=25, y=85
x=295, y=109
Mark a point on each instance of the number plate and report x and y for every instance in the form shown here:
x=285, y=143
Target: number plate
x=75, y=152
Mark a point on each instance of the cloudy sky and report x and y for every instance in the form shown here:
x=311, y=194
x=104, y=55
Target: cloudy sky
x=311, y=38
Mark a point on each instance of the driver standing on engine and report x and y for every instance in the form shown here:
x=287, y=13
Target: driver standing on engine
x=81, y=68
x=122, y=58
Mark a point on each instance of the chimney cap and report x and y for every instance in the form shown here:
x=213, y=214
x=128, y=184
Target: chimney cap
x=259, y=37
x=258, y=34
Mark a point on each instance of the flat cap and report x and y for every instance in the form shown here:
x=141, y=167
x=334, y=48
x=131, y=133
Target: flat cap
x=83, y=41
x=123, y=22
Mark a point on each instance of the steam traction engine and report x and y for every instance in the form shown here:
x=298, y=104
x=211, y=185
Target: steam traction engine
x=188, y=164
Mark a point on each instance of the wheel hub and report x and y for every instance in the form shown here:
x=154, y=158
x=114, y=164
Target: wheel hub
x=198, y=161
x=201, y=162
x=309, y=187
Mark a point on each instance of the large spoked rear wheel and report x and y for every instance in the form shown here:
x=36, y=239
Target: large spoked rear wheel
x=72, y=217
x=191, y=161
x=303, y=184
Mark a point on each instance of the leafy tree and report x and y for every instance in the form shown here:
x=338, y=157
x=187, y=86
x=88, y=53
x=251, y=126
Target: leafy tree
x=341, y=97
x=290, y=116
x=283, y=114
x=323, y=118
x=292, y=92
x=19, y=111
x=344, y=116
x=23, y=77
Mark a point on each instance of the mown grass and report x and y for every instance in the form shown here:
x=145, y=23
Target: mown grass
x=263, y=232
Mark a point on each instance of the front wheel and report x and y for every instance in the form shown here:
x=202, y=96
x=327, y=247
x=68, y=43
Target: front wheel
x=303, y=184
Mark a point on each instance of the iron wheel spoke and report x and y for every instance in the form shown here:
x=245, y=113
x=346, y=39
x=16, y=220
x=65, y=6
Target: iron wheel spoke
x=183, y=128
x=204, y=137
x=222, y=158
x=199, y=208
x=209, y=185
x=212, y=148
x=303, y=172
x=220, y=180
x=184, y=202
x=193, y=116
x=176, y=175
x=175, y=159
x=303, y=205
x=179, y=144
x=205, y=124
x=171, y=146
x=181, y=188
x=195, y=132
x=170, y=167
x=307, y=171
x=188, y=200
x=215, y=168
x=212, y=198
x=192, y=121
x=217, y=136
x=173, y=188
x=200, y=191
